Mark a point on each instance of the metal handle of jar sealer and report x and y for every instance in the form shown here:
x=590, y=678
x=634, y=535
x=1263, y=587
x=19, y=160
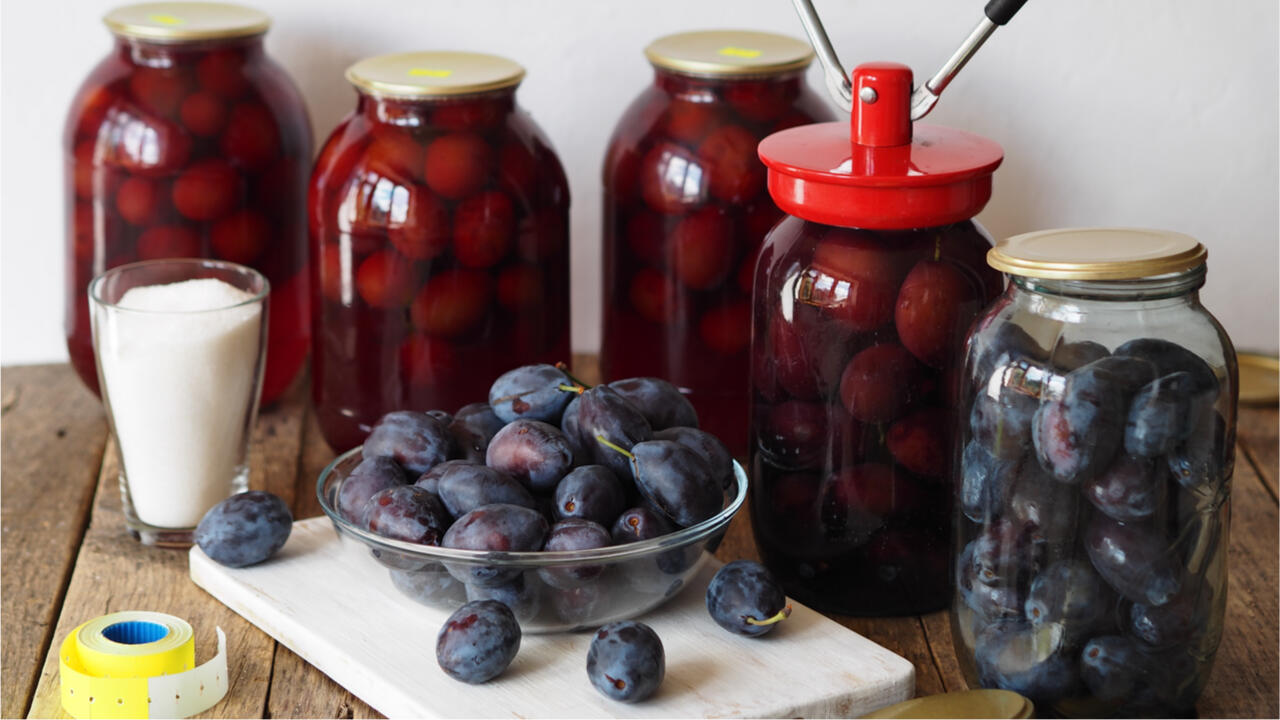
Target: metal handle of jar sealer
x=996, y=13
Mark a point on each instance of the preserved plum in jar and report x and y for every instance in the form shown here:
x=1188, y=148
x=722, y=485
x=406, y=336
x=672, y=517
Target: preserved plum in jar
x=187, y=140
x=438, y=215
x=685, y=211
x=862, y=300
x=1094, y=476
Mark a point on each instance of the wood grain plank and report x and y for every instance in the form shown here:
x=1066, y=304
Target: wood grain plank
x=1258, y=433
x=937, y=630
x=114, y=572
x=1243, y=682
x=54, y=433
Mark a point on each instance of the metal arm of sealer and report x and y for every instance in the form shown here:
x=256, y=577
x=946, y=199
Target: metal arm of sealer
x=996, y=13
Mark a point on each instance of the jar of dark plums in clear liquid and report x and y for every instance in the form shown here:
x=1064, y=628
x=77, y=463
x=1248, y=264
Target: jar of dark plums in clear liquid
x=685, y=211
x=1093, y=475
x=188, y=141
x=439, y=239
x=862, y=299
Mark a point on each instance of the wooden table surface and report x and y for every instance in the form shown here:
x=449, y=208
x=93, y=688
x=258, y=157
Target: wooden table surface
x=67, y=558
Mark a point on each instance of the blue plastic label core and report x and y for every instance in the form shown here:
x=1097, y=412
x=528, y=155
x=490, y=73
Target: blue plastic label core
x=135, y=632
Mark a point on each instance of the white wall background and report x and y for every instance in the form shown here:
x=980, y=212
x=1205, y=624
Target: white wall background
x=1160, y=113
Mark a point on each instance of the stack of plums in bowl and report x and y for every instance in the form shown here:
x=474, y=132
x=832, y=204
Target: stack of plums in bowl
x=572, y=505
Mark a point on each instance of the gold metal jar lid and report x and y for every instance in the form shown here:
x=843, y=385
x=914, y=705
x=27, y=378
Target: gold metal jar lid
x=1097, y=254
x=186, y=21
x=960, y=704
x=435, y=73
x=729, y=52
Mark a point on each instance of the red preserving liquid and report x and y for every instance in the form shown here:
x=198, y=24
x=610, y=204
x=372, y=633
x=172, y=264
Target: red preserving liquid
x=858, y=340
x=685, y=212
x=190, y=145
x=438, y=218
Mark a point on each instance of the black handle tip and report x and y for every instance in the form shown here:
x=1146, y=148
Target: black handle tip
x=1002, y=11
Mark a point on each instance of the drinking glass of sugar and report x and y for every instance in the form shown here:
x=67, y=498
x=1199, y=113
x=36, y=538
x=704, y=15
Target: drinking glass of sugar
x=180, y=346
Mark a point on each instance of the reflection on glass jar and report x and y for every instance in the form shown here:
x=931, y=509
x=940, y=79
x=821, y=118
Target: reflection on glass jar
x=1093, y=476
x=188, y=141
x=685, y=211
x=439, y=231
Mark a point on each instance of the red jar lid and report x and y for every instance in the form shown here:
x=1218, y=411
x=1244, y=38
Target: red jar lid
x=880, y=172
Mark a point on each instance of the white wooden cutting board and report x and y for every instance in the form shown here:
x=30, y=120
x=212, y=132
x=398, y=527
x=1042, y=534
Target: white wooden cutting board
x=338, y=610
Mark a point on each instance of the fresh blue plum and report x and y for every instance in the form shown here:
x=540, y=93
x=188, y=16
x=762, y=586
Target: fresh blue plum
x=1121, y=672
x=244, y=529
x=985, y=482
x=605, y=413
x=1008, y=340
x=568, y=535
x=1071, y=594
x=1068, y=356
x=718, y=457
x=1158, y=416
x=989, y=602
x=639, y=523
x=1169, y=357
x=1002, y=424
x=532, y=392
x=1126, y=373
x=744, y=598
x=443, y=416
x=661, y=403
x=590, y=492
x=1078, y=434
x=372, y=475
x=579, y=605
x=1204, y=461
x=1178, y=621
x=430, y=480
x=522, y=594
x=416, y=440
x=1129, y=489
x=1047, y=508
x=431, y=585
x=407, y=513
x=464, y=488
x=1007, y=551
x=503, y=528
x=1014, y=655
x=478, y=641
x=626, y=661
x=572, y=429
x=676, y=481
x=1133, y=559
x=472, y=427
x=533, y=452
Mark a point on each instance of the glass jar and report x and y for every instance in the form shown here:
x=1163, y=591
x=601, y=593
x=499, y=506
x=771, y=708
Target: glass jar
x=439, y=230
x=189, y=141
x=1094, y=476
x=862, y=299
x=685, y=211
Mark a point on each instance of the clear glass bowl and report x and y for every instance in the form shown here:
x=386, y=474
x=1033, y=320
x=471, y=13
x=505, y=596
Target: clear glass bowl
x=621, y=581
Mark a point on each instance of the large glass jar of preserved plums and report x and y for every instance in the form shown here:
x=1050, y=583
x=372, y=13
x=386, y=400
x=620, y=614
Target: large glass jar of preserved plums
x=188, y=141
x=862, y=299
x=1094, y=476
x=685, y=211
x=439, y=238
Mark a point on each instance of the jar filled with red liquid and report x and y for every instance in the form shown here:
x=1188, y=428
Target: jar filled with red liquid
x=439, y=235
x=189, y=141
x=685, y=211
x=863, y=296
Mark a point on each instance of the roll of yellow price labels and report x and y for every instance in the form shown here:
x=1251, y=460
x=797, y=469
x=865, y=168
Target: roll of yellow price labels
x=138, y=665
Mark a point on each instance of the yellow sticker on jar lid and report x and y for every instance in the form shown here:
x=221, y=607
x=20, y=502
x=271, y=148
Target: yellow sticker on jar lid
x=429, y=72
x=165, y=19
x=732, y=51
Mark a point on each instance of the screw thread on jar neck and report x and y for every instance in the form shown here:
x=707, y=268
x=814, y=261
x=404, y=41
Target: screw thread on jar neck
x=150, y=53
x=1161, y=287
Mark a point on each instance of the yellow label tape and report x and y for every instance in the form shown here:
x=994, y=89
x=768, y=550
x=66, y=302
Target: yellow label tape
x=138, y=665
